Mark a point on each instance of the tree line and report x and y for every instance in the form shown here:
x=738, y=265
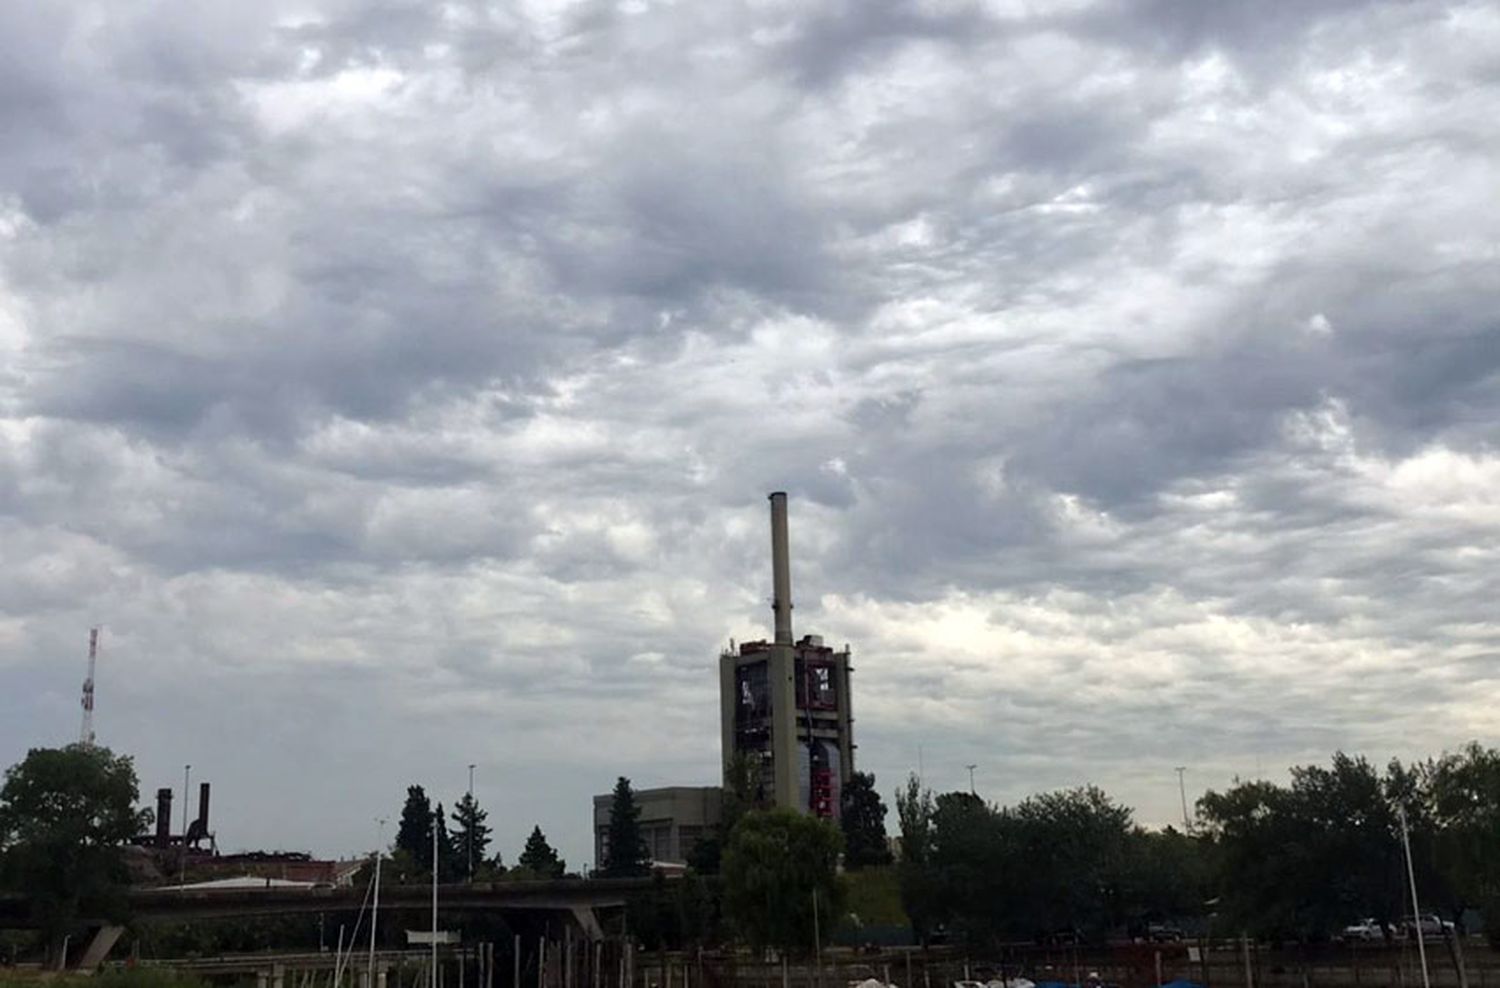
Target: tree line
x=1294, y=861
x=1297, y=860
x=462, y=851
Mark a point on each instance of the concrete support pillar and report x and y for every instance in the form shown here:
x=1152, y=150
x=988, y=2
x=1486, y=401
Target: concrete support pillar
x=99, y=947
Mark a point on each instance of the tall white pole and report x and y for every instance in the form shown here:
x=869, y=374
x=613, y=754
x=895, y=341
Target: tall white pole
x=375, y=909
x=182, y=861
x=1411, y=878
x=1187, y=824
x=469, y=829
x=818, y=939
x=436, y=820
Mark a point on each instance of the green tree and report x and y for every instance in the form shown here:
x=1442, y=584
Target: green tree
x=920, y=896
x=1464, y=792
x=744, y=790
x=1078, y=839
x=626, y=856
x=538, y=859
x=1055, y=861
x=1302, y=860
x=65, y=814
x=777, y=865
x=472, y=835
x=414, y=833
x=863, y=821
x=914, y=809
x=1165, y=875
x=449, y=867
x=966, y=881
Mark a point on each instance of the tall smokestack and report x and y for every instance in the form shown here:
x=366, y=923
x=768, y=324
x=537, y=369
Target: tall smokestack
x=203, y=806
x=781, y=570
x=163, y=817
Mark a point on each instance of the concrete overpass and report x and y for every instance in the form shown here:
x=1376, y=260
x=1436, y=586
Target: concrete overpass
x=587, y=902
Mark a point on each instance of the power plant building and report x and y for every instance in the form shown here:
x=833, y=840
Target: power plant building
x=784, y=704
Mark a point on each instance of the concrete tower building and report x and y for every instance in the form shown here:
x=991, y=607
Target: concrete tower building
x=784, y=704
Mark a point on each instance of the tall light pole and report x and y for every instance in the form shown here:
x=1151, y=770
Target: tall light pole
x=433, y=974
x=375, y=909
x=469, y=825
x=1187, y=825
x=187, y=771
x=971, y=769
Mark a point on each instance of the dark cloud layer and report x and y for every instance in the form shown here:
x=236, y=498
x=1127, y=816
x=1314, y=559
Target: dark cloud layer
x=398, y=384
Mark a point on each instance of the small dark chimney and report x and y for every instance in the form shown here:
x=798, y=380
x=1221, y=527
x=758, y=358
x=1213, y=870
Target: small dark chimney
x=163, y=817
x=203, y=807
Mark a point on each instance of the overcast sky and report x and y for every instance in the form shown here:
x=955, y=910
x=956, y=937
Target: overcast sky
x=399, y=384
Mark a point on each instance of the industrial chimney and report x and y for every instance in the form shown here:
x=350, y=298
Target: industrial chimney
x=203, y=807
x=163, y=817
x=781, y=570
x=784, y=704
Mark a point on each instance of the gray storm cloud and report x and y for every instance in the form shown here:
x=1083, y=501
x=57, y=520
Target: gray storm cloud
x=398, y=384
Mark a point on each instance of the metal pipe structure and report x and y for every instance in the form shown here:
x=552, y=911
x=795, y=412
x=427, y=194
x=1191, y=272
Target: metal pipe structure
x=203, y=790
x=781, y=570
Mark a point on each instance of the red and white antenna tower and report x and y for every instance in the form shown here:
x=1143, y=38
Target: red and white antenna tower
x=86, y=735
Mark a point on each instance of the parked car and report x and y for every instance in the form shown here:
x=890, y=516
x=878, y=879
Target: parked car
x=1365, y=929
x=1428, y=925
x=1163, y=933
x=1065, y=936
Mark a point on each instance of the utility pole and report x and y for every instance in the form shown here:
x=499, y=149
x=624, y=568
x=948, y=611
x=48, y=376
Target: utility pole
x=971, y=769
x=436, y=821
x=1187, y=825
x=469, y=825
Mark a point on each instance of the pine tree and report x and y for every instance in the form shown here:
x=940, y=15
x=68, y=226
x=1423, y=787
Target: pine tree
x=863, y=820
x=414, y=835
x=539, y=858
x=471, y=835
x=627, y=855
x=448, y=867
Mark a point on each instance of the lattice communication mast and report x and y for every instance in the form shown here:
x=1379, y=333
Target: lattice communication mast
x=86, y=734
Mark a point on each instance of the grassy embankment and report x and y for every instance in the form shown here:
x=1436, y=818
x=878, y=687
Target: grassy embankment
x=138, y=978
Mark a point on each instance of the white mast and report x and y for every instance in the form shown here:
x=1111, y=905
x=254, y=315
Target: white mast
x=86, y=733
x=375, y=910
x=1411, y=877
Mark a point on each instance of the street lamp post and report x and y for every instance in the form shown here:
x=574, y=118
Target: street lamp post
x=469, y=825
x=187, y=771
